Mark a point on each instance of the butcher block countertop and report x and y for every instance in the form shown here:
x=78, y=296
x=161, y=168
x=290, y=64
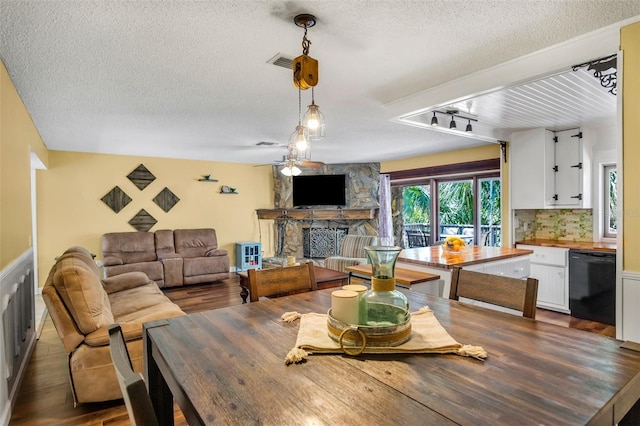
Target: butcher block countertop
x=577, y=245
x=437, y=257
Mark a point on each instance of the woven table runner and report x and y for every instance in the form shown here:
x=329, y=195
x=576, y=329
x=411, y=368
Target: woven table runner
x=427, y=337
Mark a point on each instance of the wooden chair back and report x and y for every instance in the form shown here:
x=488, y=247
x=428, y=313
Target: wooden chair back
x=134, y=391
x=277, y=281
x=512, y=293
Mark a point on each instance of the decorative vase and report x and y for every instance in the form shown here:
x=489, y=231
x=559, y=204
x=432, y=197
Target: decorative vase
x=383, y=305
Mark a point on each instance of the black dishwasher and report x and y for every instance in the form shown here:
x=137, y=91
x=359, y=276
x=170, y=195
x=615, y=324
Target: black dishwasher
x=592, y=285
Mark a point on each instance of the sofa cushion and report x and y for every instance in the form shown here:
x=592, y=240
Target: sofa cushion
x=195, y=242
x=81, y=291
x=135, y=300
x=131, y=247
x=205, y=265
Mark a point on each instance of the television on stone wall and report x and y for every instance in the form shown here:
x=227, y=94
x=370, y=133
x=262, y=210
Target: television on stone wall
x=319, y=190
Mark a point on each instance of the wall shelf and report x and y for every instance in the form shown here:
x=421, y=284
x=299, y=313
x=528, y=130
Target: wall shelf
x=207, y=180
x=317, y=214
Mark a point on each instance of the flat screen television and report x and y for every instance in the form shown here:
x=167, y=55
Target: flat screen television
x=319, y=190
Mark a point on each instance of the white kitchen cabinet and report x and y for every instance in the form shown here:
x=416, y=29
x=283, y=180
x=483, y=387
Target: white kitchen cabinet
x=573, y=175
x=531, y=169
x=549, y=266
x=550, y=170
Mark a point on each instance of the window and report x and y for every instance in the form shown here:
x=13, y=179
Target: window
x=458, y=199
x=610, y=201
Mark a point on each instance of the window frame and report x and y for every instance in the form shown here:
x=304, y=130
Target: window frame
x=606, y=199
x=431, y=176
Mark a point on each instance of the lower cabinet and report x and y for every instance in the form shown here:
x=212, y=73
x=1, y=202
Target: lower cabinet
x=549, y=266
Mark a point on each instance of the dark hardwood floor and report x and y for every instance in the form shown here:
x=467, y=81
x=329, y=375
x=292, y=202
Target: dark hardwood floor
x=45, y=397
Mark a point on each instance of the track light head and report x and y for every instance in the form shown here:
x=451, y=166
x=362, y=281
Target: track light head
x=469, y=128
x=452, y=125
x=434, y=120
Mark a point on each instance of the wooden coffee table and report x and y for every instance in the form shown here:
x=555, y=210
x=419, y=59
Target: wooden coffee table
x=325, y=278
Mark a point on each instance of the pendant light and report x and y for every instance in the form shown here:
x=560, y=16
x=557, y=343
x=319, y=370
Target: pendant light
x=314, y=120
x=300, y=137
x=305, y=75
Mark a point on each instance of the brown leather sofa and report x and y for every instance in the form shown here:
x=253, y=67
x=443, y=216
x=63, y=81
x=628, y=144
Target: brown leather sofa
x=82, y=306
x=170, y=258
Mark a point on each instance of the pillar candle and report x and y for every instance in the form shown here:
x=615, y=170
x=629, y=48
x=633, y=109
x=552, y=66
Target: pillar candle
x=344, y=306
x=358, y=288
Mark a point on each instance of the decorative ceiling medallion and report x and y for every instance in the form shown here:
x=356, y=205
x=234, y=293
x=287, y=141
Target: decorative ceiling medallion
x=142, y=221
x=141, y=177
x=605, y=69
x=116, y=199
x=166, y=199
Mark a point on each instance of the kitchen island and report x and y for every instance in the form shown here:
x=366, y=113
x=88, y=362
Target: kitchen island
x=511, y=262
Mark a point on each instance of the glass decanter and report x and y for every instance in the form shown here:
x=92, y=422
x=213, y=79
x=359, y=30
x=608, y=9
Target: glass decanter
x=383, y=305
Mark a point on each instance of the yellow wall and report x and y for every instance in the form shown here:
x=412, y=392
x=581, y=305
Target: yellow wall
x=70, y=210
x=630, y=45
x=485, y=152
x=18, y=136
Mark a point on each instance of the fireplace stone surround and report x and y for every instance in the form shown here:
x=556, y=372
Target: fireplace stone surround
x=362, y=184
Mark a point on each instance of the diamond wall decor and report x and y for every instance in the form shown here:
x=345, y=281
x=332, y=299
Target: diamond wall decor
x=141, y=177
x=116, y=199
x=166, y=199
x=142, y=221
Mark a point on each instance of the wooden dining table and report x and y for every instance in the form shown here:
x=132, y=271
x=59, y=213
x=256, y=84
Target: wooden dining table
x=226, y=366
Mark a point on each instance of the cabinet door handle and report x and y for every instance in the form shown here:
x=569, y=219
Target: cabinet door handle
x=579, y=165
x=579, y=196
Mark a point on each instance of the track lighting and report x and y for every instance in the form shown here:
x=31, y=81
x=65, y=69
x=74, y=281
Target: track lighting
x=454, y=113
x=434, y=120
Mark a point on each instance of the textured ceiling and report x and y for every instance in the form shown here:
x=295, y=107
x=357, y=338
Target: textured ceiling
x=192, y=80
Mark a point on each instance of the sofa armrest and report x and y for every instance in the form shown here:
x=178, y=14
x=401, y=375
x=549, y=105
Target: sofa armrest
x=125, y=281
x=100, y=337
x=173, y=271
x=216, y=252
x=112, y=261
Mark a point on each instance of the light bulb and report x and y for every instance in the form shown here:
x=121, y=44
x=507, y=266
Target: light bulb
x=314, y=121
x=300, y=138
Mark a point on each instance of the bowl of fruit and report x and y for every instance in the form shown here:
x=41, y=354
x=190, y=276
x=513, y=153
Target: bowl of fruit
x=454, y=244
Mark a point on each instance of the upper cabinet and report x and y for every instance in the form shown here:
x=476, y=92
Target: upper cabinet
x=550, y=170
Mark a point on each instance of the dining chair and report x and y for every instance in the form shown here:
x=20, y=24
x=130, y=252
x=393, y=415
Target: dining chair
x=134, y=391
x=278, y=281
x=513, y=293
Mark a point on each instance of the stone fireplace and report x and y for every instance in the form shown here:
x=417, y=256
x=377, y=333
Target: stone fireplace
x=294, y=236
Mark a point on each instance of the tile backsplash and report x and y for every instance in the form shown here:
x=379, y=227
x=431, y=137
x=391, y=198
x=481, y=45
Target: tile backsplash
x=554, y=224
